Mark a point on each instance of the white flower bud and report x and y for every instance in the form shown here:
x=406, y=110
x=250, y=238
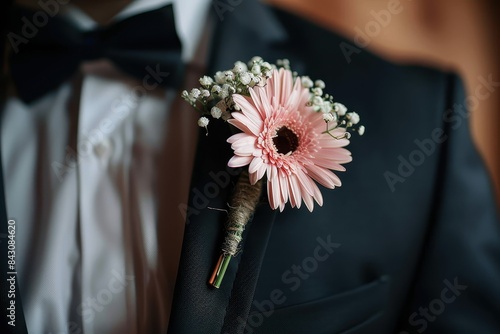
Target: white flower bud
x=245, y=78
x=256, y=59
x=203, y=122
x=266, y=65
x=361, y=130
x=327, y=107
x=317, y=91
x=334, y=116
x=195, y=93
x=283, y=62
x=220, y=78
x=216, y=112
x=256, y=69
x=229, y=75
x=223, y=108
x=340, y=108
x=328, y=117
x=240, y=67
x=225, y=91
x=185, y=94
x=205, y=93
x=206, y=81
x=317, y=100
x=306, y=82
x=353, y=117
x=319, y=84
x=216, y=89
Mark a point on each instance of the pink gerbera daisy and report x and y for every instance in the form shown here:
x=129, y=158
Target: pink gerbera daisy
x=285, y=139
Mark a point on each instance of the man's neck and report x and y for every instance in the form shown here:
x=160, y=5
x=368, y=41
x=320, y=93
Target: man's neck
x=330, y=14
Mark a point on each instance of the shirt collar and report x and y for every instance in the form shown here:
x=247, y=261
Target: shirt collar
x=190, y=17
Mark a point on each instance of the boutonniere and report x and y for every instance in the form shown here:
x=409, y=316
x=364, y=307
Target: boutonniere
x=290, y=136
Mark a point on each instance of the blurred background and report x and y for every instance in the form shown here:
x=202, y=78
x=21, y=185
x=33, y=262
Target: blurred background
x=455, y=35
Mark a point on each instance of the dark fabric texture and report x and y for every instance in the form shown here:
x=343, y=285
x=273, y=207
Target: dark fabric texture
x=54, y=51
x=413, y=223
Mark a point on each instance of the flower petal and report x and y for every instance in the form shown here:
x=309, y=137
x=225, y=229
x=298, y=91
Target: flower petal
x=308, y=200
x=238, y=136
x=329, y=164
x=293, y=99
x=255, y=165
x=244, y=103
x=239, y=161
x=247, y=140
x=254, y=127
x=261, y=101
x=329, y=142
x=243, y=126
x=295, y=191
x=276, y=190
x=283, y=187
x=324, y=176
x=286, y=85
x=305, y=182
x=261, y=171
x=252, y=177
x=245, y=150
x=318, y=197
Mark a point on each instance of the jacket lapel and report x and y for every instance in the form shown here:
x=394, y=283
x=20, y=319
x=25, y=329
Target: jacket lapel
x=197, y=307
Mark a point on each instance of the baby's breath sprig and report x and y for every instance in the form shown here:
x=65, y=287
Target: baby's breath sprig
x=213, y=99
x=335, y=114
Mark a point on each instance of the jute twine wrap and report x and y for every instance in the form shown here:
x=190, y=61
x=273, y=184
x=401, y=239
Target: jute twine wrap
x=242, y=206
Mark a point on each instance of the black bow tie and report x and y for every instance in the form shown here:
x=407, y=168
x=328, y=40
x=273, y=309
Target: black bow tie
x=45, y=56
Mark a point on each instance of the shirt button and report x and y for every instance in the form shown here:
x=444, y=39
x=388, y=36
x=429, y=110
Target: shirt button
x=103, y=149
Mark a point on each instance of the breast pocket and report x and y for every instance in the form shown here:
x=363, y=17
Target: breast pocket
x=355, y=311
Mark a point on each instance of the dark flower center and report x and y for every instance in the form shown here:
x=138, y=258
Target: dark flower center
x=285, y=141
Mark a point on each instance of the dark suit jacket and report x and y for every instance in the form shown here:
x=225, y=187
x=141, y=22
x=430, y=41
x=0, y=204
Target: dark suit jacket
x=409, y=243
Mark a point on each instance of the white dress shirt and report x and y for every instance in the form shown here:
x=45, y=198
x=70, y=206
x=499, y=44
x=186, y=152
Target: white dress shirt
x=87, y=244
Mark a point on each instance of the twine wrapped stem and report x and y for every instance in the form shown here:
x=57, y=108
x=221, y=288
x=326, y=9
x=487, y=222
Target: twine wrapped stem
x=242, y=206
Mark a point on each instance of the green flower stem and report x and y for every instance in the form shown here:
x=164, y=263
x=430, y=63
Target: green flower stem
x=220, y=270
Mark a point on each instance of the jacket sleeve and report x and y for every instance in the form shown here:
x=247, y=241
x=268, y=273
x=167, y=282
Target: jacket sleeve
x=457, y=288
